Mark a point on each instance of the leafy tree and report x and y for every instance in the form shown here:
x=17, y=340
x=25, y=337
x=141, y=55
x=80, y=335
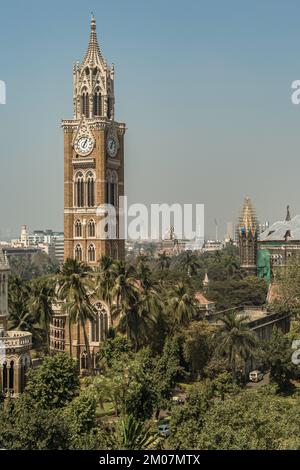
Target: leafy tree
x=54, y=383
x=197, y=346
x=167, y=370
x=248, y=421
x=26, y=426
x=232, y=293
x=187, y=419
x=278, y=358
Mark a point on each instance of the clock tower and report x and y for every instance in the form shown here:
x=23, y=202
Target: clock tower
x=93, y=161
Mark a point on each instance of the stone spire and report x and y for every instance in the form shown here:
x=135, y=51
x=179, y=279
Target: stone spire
x=93, y=55
x=93, y=83
x=288, y=214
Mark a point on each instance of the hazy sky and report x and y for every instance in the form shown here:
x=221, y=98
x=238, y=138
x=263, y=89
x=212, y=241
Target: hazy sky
x=204, y=87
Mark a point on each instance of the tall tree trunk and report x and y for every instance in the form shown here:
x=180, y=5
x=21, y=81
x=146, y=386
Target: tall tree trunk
x=70, y=336
x=87, y=347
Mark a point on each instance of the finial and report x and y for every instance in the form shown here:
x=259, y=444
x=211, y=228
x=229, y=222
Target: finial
x=288, y=215
x=93, y=22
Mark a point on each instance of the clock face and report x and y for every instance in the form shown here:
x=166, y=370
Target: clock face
x=112, y=147
x=84, y=145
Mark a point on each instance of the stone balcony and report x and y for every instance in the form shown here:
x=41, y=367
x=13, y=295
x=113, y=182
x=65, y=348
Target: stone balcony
x=16, y=340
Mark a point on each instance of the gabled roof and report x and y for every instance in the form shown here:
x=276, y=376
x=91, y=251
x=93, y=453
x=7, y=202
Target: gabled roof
x=283, y=230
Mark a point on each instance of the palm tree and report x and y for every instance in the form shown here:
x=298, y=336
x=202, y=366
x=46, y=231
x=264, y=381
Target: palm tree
x=40, y=305
x=124, y=283
x=105, y=280
x=80, y=310
x=236, y=340
x=181, y=304
x=72, y=283
x=190, y=263
x=135, y=435
x=137, y=318
x=163, y=261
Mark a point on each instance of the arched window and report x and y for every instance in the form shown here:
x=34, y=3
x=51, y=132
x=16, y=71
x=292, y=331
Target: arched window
x=113, y=189
x=83, y=360
x=97, y=111
x=79, y=190
x=91, y=254
x=99, y=326
x=78, y=253
x=4, y=376
x=90, y=190
x=85, y=102
x=78, y=229
x=91, y=229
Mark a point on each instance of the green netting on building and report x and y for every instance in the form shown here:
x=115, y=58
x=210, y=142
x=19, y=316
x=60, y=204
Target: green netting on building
x=263, y=265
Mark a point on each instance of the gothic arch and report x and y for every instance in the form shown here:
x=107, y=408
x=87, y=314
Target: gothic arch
x=91, y=253
x=78, y=229
x=90, y=179
x=79, y=198
x=97, y=102
x=85, y=102
x=91, y=228
x=78, y=252
x=100, y=325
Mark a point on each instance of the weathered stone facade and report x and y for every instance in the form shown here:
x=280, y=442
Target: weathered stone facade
x=14, y=345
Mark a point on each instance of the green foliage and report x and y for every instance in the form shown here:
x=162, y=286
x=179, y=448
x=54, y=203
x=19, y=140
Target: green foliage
x=135, y=435
x=35, y=266
x=167, y=370
x=127, y=383
x=186, y=420
x=278, y=359
x=234, y=293
x=54, y=383
x=250, y=420
x=235, y=340
x=111, y=350
x=197, y=345
x=26, y=426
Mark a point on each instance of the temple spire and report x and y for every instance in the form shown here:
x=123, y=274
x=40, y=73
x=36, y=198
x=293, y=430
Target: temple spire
x=288, y=214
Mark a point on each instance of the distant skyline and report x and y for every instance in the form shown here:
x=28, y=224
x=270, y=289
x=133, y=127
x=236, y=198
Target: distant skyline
x=204, y=88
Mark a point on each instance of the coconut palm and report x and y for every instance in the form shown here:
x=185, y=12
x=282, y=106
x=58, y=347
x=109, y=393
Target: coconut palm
x=181, y=305
x=104, y=280
x=135, y=435
x=40, y=304
x=72, y=290
x=236, y=340
x=124, y=288
x=190, y=263
x=137, y=318
x=163, y=261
